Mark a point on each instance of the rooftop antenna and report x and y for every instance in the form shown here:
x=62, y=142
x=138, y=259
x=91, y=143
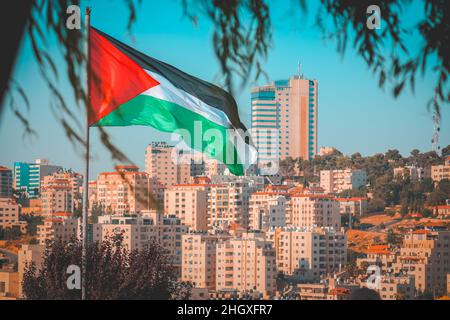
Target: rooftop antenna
x=299, y=66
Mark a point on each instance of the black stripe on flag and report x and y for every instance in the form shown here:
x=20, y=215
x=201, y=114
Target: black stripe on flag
x=205, y=91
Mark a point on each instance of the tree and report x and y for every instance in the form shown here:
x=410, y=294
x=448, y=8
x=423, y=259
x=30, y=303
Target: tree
x=391, y=238
x=112, y=273
x=97, y=210
x=446, y=151
x=393, y=155
x=349, y=193
x=287, y=167
x=32, y=223
x=12, y=233
x=241, y=38
x=78, y=210
x=440, y=194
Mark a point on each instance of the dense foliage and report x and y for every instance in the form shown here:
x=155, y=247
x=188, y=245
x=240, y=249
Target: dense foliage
x=113, y=273
x=413, y=196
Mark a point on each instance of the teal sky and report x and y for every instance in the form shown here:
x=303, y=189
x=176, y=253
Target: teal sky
x=354, y=114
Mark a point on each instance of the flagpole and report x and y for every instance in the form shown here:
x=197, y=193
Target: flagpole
x=86, y=159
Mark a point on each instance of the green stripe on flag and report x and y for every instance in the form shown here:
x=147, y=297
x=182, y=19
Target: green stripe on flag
x=166, y=116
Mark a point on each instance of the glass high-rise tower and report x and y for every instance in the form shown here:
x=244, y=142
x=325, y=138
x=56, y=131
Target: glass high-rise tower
x=284, y=119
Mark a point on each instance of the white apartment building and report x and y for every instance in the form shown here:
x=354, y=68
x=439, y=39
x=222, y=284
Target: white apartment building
x=336, y=181
x=267, y=210
x=29, y=253
x=314, y=210
x=60, y=227
x=213, y=168
x=246, y=263
x=354, y=206
x=412, y=172
x=140, y=230
x=254, y=182
x=397, y=287
x=164, y=163
x=228, y=204
x=442, y=171
x=306, y=254
x=9, y=213
x=189, y=203
x=57, y=194
x=126, y=190
x=199, y=259
x=425, y=255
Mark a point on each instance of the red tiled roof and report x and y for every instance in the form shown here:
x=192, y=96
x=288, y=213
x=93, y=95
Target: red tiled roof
x=122, y=172
x=126, y=167
x=339, y=291
x=421, y=231
x=279, y=186
x=378, y=249
x=435, y=224
x=312, y=195
x=53, y=219
x=415, y=215
x=198, y=185
x=351, y=199
x=410, y=258
x=315, y=189
x=63, y=214
x=269, y=193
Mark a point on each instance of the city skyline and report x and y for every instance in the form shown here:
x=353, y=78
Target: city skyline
x=225, y=150
x=369, y=111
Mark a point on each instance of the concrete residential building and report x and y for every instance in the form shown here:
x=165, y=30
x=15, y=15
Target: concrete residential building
x=414, y=173
x=441, y=171
x=228, y=204
x=126, y=190
x=284, y=119
x=426, y=256
x=9, y=213
x=9, y=285
x=306, y=254
x=28, y=176
x=199, y=259
x=75, y=179
x=326, y=151
x=29, y=253
x=246, y=263
x=448, y=284
x=397, y=288
x=313, y=291
x=162, y=162
x=255, y=183
x=61, y=227
x=267, y=210
x=442, y=211
x=380, y=255
x=213, y=167
x=314, y=210
x=189, y=203
x=336, y=181
x=6, y=182
x=57, y=195
x=355, y=206
x=139, y=231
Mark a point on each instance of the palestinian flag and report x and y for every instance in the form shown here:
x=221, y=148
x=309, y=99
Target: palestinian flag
x=129, y=88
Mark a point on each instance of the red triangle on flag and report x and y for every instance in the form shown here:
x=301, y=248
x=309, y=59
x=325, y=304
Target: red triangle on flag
x=114, y=77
